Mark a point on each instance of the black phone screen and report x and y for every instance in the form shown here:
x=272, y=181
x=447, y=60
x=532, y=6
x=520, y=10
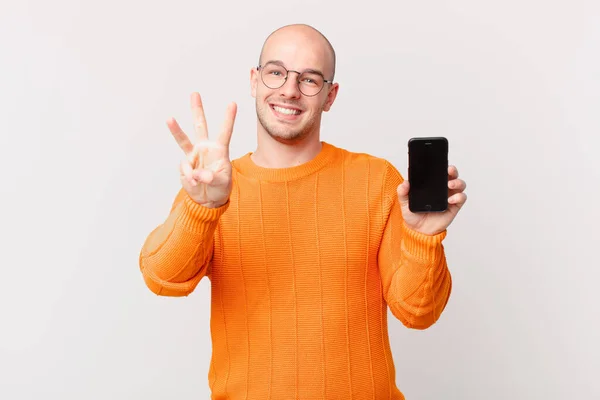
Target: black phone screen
x=428, y=174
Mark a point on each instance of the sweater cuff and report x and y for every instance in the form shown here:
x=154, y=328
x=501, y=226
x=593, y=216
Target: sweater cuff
x=427, y=248
x=198, y=218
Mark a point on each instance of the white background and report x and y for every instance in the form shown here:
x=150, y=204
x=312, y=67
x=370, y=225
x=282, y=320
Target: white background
x=88, y=168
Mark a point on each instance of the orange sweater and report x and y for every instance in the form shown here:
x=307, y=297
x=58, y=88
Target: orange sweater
x=303, y=263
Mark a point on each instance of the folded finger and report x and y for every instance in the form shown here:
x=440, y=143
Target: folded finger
x=457, y=185
x=187, y=172
x=452, y=172
x=457, y=199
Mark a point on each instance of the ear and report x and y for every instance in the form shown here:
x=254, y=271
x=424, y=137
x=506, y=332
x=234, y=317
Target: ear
x=331, y=95
x=253, y=81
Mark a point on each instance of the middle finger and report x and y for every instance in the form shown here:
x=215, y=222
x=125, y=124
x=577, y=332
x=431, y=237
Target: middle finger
x=457, y=185
x=199, y=118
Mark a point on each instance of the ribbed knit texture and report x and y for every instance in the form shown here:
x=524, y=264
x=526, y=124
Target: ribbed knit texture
x=303, y=263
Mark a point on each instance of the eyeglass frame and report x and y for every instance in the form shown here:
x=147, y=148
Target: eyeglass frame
x=258, y=68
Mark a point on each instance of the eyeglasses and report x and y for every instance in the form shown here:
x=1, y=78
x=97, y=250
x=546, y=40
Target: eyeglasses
x=274, y=76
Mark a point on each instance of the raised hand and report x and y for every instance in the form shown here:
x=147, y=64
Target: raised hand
x=434, y=222
x=206, y=168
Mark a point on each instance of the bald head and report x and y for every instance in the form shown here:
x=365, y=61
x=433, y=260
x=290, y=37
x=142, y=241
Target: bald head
x=305, y=36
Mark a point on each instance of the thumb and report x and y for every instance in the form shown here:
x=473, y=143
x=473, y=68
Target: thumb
x=204, y=175
x=403, y=189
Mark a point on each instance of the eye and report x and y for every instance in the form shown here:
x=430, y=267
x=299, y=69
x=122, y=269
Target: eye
x=311, y=79
x=274, y=71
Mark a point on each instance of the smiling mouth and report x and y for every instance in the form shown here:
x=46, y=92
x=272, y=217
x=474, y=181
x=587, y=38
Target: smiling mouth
x=285, y=111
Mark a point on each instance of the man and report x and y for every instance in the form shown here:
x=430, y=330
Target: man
x=306, y=244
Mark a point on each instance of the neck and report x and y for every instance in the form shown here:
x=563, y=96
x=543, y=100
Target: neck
x=271, y=153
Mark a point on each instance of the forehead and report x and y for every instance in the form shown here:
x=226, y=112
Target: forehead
x=298, y=52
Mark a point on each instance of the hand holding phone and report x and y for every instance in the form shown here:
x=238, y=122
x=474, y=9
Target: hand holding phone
x=433, y=194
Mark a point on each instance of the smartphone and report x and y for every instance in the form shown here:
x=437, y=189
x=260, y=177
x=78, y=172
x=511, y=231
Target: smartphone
x=428, y=174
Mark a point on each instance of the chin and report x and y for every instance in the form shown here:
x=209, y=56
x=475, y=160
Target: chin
x=286, y=135
x=283, y=133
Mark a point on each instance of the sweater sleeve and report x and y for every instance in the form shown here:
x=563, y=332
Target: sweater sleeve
x=176, y=255
x=415, y=277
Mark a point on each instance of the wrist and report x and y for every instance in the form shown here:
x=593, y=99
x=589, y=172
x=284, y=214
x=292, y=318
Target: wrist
x=197, y=218
x=214, y=204
x=421, y=245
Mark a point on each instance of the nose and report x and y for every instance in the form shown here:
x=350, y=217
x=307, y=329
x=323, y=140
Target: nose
x=291, y=87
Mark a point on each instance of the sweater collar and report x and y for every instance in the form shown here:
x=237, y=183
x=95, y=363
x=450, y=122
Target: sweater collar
x=248, y=168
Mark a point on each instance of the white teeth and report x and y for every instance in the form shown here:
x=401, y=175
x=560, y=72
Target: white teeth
x=286, y=111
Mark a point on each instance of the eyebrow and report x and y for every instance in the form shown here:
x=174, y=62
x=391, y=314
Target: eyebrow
x=281, y=63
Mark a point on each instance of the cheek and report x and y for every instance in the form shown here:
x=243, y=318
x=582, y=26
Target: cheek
x=318, y=105
x=261, y=100
x=261, y=94
x=257, y=92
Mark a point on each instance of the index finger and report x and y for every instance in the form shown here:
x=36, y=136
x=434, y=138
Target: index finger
x=227, y=129
x=199, y=118
x=182, y=140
